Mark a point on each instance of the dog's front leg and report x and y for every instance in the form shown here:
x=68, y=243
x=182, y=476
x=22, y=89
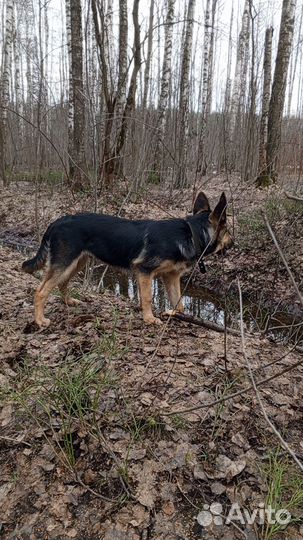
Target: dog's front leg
x=173, y=288
x=145, y=288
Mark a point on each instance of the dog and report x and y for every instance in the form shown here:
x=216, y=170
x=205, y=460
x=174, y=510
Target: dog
x=165, y=248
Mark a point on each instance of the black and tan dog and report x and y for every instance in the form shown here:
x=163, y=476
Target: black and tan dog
x=151, y=248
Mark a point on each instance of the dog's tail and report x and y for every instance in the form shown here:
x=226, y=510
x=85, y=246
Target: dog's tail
x=39, y=260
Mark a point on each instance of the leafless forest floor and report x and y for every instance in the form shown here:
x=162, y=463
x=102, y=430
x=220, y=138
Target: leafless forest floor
x=94, y=443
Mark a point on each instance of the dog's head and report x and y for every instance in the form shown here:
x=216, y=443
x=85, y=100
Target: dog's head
x=221, y=237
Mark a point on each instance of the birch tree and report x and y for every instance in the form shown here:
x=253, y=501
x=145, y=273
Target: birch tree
x=277, y=99
x=149, y=53
x=76, y=115
x=5, y=83
x=239, y=84
x=123, y=60
x=165, y=81
x=265, y=104
x=227, y=95
x=131, y=95
x=207, y=82
x=114, y=99
x=184, y=97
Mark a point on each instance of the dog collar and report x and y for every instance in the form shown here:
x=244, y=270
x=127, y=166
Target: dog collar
x=198, y=248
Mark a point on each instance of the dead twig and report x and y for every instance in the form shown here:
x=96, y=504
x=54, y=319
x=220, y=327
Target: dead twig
x=206, y=324
x=293, y=197
x=283, y=258
x=235, y=394
x=255, y=387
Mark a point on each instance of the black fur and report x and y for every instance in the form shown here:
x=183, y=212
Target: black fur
x=122, y=242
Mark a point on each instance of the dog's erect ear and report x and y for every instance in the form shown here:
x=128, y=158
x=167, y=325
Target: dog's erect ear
x=218, y=215
x=201, y=203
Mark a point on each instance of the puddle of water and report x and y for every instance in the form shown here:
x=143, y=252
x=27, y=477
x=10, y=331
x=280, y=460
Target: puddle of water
x=197, y=303
x=202, y=303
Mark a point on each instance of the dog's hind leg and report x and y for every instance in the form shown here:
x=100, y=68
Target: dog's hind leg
x=173, y=288
x=55, y=277
x=50, y=281
x=63, y=286
x=145, y=288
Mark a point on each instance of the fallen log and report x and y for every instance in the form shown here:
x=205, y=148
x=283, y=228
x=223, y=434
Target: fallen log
x=206, y=324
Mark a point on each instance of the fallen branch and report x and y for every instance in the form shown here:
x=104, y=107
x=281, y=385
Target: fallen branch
x=293, y=197
x=206, y=324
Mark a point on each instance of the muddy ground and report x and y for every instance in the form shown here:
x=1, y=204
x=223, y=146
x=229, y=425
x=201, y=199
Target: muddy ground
x=94, y=440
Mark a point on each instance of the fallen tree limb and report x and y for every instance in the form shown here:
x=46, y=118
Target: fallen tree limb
x=293, y=197
x=206, y=324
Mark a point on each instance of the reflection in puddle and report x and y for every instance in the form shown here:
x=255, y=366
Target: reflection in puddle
x=199, y=303
x=203, y=304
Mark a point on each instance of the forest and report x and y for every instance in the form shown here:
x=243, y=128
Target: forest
x=123, y=419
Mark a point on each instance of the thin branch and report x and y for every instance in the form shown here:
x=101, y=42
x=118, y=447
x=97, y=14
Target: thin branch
x=283, y=258
x=293, y=197
x=255, y=387
x=235, y=394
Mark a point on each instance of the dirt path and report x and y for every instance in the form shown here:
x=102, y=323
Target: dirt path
x=92, y=443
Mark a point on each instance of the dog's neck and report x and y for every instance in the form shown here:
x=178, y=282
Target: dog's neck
x=201, y=230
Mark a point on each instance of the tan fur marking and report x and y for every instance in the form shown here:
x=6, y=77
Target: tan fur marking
x=224, y=241
x=168, y=266
x=145, y=287
x=63, y=287
x=173, y=287
x=53, y=278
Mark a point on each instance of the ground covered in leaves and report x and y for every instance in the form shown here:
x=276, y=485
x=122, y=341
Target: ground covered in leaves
x=117, y=431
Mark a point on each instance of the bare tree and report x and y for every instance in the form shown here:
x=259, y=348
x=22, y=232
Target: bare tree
x=131, y=95
x=207, y=82
x=149, y=53
x=5, y=83
x=265, y=105
x=76, y=94
x=239, y=85
x=165, y=82
x=184, y=97
x=276, y=104
x=293, y=69
x=227, y=95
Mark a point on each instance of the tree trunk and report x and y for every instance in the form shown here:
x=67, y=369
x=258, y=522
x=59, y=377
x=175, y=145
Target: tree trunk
x=131, y=96
x=114, y=166
x=149, y=53
x=228, y=74
x=76, y=94
x=265, y=106
x=276, y=105
x=165, y=82
x=182, y=180
x=239, y=85
x=5, y=84
x=208, y=49
x=123, y=61
x=293, y=71
x=250, y=142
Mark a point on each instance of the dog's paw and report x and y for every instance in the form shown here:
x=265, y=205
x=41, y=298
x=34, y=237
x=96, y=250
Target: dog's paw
x=152, y=320
x=43, y=322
